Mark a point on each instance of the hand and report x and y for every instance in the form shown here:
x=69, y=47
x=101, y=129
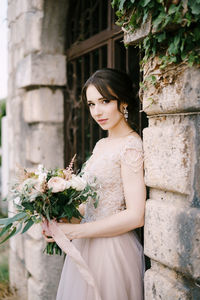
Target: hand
x=46, y=231
x=72, y=231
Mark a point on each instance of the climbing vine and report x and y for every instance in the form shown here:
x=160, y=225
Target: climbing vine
x=175, y=28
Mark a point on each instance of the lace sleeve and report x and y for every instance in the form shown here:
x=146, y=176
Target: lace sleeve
x=132, y=153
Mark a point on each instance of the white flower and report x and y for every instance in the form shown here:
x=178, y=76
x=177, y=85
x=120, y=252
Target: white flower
x=17, y=201
x=34, y=185
x=41, y=169
x=42, y=173
x=58, y=184
x=78, y=183
x=42, y=177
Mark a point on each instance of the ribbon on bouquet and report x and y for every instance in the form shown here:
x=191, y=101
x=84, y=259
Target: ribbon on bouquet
x=68, y=247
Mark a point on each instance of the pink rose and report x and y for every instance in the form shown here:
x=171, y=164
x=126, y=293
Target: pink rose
x=57, y=184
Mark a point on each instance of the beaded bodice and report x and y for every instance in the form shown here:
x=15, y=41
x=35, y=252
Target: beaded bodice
x=105, y=164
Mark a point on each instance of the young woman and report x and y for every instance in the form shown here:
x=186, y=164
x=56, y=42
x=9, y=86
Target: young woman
x=105, y=236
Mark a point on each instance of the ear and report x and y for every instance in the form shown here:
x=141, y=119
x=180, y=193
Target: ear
x=123, y=105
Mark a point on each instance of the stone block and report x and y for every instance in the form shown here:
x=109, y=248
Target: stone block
x=45, y=271
x=174, y=89
x=171, y=236
x=40, y=290
x=33, y=32
x=18, y=55
x=18, y=275
x=160, y=287
x=131, y=38
x=18, y=7
x=43, y=105
x=5, y=161
x=41, y=69
x=17, y=245
x=45, y=145
x=171, y=153
x=35, y=232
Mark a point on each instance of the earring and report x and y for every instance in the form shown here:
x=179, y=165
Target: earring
x=126, y=113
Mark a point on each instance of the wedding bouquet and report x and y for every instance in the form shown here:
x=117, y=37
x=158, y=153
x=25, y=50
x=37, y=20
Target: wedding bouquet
x=50, y=194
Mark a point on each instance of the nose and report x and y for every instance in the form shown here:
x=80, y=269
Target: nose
x=97, y=110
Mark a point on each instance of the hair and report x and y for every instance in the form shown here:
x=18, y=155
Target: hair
x=116, y=85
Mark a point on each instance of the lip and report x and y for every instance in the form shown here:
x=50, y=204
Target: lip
x=102, y=120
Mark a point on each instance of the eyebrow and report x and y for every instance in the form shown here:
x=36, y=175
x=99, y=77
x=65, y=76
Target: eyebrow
x=98, y=99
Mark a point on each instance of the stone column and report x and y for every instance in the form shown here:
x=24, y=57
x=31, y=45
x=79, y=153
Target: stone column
x=172, y=171
x=4, y=161
x=35, y=110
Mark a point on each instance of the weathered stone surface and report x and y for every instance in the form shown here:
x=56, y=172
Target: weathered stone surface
x=175, y=89
x=33, y=29
x=170, y=154
x=54, y=26
x=44, y=269
x=131, y=38
x=163, y=284
x=17, y=245
x=41, y=69
x=38, y=290
x=43, y=105
x=169, y=197
x=35, y=232
x=45, y=145
x=18, y=55
x=18, y=275
x=171, y=236
x=4, y=162
x=18, y=7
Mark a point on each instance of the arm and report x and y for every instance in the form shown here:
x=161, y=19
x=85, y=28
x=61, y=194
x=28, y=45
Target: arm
x=119, y=223
x=129, y=219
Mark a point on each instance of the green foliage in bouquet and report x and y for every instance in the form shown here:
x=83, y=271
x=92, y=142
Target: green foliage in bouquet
x=53, y=194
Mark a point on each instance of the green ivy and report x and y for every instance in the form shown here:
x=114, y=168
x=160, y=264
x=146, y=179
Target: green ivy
x=175, y=27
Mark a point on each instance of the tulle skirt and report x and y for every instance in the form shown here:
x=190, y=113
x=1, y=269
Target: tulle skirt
x=117, y=264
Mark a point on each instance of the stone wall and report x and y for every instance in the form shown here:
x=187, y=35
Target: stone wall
x=35, y=113
x=4, y=165
x=35, y=110
x=172, y=170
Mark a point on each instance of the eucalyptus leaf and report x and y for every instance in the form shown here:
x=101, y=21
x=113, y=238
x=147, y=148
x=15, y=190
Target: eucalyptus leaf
x=27, y=226
x=9, y=236
x=17, y=217
x=5, y=229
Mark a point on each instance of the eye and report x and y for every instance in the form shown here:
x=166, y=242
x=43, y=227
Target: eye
x=89, y=104
x=106, y=100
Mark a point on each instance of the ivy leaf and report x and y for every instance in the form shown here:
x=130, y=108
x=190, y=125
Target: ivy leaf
x=121, y=4
x=195, y=6
x=172, y=9
x=161, y=37
x=145, y=3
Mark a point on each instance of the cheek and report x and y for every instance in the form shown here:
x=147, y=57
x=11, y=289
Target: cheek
x=114, y=111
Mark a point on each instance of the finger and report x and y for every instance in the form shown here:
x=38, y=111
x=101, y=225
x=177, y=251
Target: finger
x=49, y=240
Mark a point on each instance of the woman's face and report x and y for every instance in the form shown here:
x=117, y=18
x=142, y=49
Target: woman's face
x=103, y=111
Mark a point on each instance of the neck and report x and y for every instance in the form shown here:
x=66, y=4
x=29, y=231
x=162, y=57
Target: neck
x=120, y=130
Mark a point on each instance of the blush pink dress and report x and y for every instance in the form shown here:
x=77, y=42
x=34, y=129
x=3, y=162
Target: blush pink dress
x=117, y=263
